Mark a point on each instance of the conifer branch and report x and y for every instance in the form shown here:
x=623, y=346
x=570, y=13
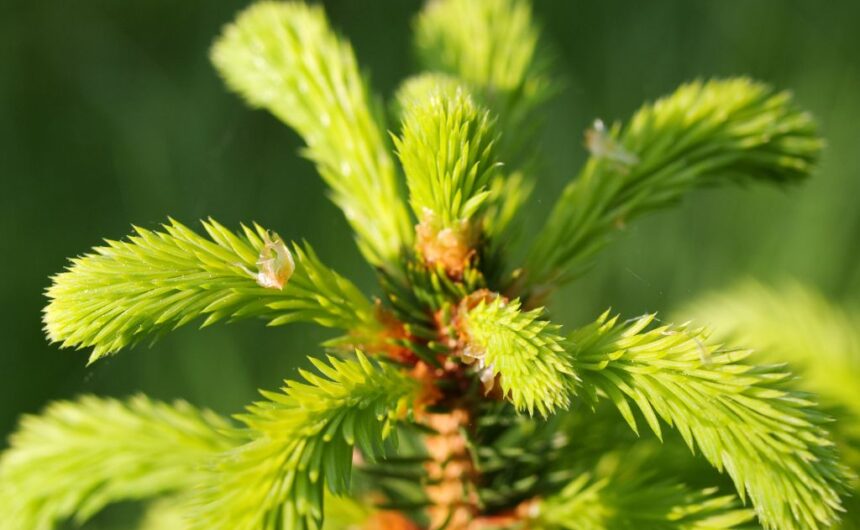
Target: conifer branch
x=156, y=281
x=301, y=440
x=285, y=58
x=704, y=134
x=448, y=324
x=744, y=419
x=417, y=90
x=493, y=46
x=506, y=190
x=794, y=324
x=79, y=456
x=523, y=350
x=447, y=152
x=610, y=503
x=446, y=148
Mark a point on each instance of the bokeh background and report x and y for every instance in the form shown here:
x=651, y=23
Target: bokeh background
x=111, y=114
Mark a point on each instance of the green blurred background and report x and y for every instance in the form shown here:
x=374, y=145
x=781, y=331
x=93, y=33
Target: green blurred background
x=111, y=114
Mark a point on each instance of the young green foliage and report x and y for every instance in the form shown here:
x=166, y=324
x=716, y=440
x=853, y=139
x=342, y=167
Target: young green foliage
x=794, y=324
x=504, y=192
x=301, y=440
x=446, y=149
x=285, y=58
x=447, y=152
x=704, y=134
x=472, y=459
x=821, y=340
x=523, y=350
x=629, y=503
x=493, y=46
x=744, y=419
x=156, y=281
x=416, y=90
x=79, y=456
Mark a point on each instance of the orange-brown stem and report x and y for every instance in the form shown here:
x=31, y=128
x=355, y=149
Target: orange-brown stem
x=452, y=477
x=451, y=488
x=450, y=248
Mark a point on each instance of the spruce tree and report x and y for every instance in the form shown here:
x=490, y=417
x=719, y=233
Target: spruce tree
x=453, y=400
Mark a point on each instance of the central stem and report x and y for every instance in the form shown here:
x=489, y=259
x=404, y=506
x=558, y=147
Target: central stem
x=451, y=489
